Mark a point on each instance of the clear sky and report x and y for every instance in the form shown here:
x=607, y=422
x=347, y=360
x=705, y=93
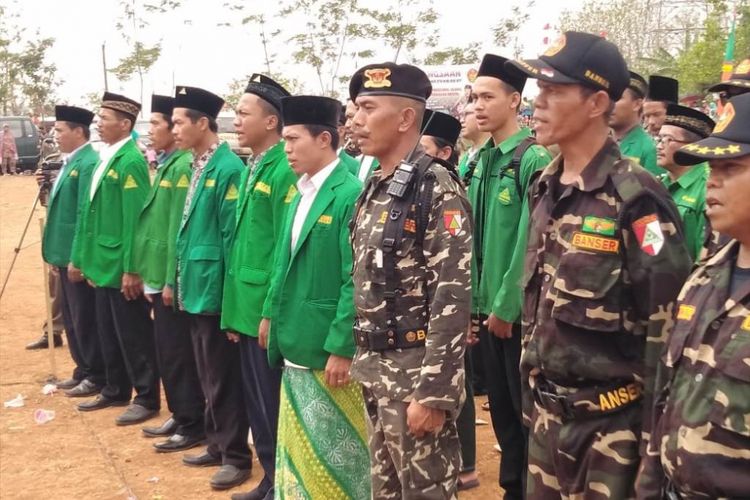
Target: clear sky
x=198, y=51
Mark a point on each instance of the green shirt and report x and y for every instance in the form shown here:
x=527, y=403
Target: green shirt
x=464, y=163
x=638, y=146
x=689, y=194
x=496, y=206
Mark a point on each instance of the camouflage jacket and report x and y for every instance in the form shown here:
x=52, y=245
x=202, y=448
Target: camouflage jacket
x=701, y=440
x=436, y=295
x=604, y=263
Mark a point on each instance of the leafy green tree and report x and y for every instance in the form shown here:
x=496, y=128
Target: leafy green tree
x=505, y=31
x=455, y=55
x=406, y=25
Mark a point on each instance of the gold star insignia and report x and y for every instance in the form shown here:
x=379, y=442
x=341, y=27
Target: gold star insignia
x=719, y=151
x=733, y=148
x=703, y=150
x=690, y=147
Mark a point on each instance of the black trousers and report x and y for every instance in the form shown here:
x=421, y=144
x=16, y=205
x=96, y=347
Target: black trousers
x=503, y=378
x=79, y=316
x=126, y=333
x=218, y=363
x=176, y=361
x=262, y=389
x=466, y=423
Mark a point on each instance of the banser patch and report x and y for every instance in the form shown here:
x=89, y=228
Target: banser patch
x=595, y=243
x=453, y=220
x=377, y=78
x=598, y=225
x=615, y=398
x=648, y=233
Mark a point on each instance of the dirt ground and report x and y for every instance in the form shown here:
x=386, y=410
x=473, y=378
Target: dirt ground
x=84, y=455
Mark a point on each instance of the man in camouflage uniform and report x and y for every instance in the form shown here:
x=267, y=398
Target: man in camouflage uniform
x=700, y=447
x=412, y=291
x=604, y=263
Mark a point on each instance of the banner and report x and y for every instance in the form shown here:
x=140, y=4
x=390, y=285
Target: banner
x=451, y=86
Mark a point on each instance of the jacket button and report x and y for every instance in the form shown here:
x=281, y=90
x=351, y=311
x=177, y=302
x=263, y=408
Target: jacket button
x=391, y=342
x=699, y=377
x=547, y=277
x=715, y=325
x=553, y=235
x=391, y=333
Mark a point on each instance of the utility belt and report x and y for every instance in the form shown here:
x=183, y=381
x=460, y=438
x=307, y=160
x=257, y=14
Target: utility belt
x=388, y=339
x=586, y=402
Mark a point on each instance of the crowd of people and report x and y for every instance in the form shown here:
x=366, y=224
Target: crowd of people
x=331, y=295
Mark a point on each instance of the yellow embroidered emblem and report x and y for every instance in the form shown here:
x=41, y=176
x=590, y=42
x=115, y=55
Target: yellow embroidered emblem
x=232, y=193
x=183, y=182
x=383, y=217
x=290, y=194
x=556, y=47
x=377, y=78
x=688, y=199
x=130, y=183
x=685, y=312
x=746, y=324
x=613, y=399
x=325, y=219
x=74, y=173
x=733, y=148
x=165, y=183
x=113, y=174
x=504, y=196
x=183, y=91
x=595, y=243
x=263, y=188
x=726, y=118
x=210, y=183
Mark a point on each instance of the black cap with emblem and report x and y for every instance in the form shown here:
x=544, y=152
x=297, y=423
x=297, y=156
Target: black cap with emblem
x=729, y=139
x=689, y=119
x=441, y=125
x=663, y=88
x=401, y=80
x=163, y=104
x=74, y=115
x=199, y=100
x=310, y=110
x=267, y=89
x=580, y=58
x=494, y=66
x=740, y=79
x=121, y=103
x=638, y=85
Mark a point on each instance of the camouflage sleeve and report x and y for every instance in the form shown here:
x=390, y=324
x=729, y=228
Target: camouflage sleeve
x=657, y=263
x=447, y=251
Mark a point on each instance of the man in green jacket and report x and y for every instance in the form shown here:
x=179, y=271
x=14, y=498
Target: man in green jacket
x=686, y=184
x=103, y=250
x=63, y=210
x=625, y=122
x=311, y=314
x=496, y=204
x=155, y=240
x=204, y=242
x=266, y=191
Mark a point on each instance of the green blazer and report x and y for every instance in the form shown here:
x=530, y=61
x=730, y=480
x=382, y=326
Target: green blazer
x=352, y=164
x=204, y=238
x=103, y=247
x=639, y=147
x=64, y=207
x=264, y=199
x=311, y=301
x=156, y=233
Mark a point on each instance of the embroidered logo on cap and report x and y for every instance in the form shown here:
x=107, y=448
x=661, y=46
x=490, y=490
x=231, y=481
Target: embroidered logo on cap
x=726, y=118
x=182, y=91
x=556, y=47
x=377, y=78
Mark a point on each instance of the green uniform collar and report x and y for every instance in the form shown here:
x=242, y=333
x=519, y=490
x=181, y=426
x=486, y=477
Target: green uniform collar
x=633, y=135
x=695, y=174
x=508, y=145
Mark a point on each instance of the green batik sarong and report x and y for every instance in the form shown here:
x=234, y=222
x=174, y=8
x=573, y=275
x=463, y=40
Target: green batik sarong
x=321, y=451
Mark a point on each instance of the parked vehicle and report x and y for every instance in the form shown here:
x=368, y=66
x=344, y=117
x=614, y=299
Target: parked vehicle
x=27, y=141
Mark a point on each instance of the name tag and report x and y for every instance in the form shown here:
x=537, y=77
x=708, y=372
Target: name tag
x=685, y=312
x=613, y=399
x=595, y=243
x=263, y=188
x=325, y=219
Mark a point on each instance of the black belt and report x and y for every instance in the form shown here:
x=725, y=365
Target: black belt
x=586, y=402
x=384, y=340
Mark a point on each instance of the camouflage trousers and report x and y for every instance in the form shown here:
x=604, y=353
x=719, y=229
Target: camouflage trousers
x=404, y=466
x=587, y=458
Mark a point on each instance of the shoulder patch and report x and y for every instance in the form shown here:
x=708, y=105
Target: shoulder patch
x=130, y=183
x=290, y=194
x=165, y=183
x=210, y=183
x=325, y=219
x=595, y=243
x=453, y=221
x=263, y=188
x=685, y=312
x=74, y=173
x=183, y=182
x=504, y=196
x=649, y=235
x=232, y=193
x=598, y=225
x=746, y=324
x=113, y=174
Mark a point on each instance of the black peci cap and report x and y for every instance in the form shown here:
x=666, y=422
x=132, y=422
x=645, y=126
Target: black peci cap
x=163, y=104
x=198, y=100
x=638, y=84
x=740, y=78
x=689, y=119
x=402, y=80
x=310, y=110
x=267, y=89
x=663, y=88
x=494, y=66
x=441, y=125
x=580, y=58
x=729, y=139
x=121, y=103
x=74, y=115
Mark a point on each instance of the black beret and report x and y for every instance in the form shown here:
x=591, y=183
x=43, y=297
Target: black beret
x=402, y=80
x=74, y=115
x=494, y=66
x=267, y=89
x=441, y=125
x=310, y=110
x=580, y=58
x=689, y=119
x=663, y=88
x=163, y=104
x=740, y=78
x=198, y=100
x=729, y=139
x=638, y=84
x=121, y=103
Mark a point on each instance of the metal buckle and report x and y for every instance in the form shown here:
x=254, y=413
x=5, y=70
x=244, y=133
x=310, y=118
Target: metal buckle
x=561, y=401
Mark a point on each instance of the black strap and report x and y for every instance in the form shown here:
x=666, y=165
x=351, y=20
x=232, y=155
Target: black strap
x=515, y=162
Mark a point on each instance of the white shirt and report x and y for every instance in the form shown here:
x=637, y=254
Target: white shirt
x=365, y=163
x=66, y=162
x=105, y=155
x=308, y=188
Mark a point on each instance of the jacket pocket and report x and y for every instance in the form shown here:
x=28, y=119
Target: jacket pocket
x=731, y=405
x=253, y=276
x=212, y=253
x=588, y=291
x=108, y=241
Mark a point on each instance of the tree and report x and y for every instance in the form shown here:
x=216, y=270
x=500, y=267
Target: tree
x=505, y=32
x=402, y=32
x=455, y=55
